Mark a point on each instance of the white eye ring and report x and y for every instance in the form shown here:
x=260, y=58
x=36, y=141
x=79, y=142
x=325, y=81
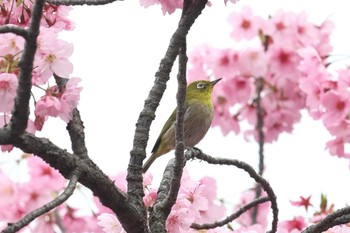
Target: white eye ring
x=200, y=85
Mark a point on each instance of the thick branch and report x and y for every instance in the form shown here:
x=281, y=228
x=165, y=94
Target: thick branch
x=180, y=146
x=341, y=216
x=170, y=184
x=20, y=111
x=92, y=177
x=232, y=217
x=47, y=207
x=138, y=152
x=195, y=153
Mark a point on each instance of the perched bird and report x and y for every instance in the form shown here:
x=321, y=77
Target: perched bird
x=199, y=113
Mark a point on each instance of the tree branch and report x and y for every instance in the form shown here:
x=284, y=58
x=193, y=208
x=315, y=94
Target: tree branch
x=75, y=127
x=81, y=2
x=170, y=184
x=47, y=207
x=92, y=177
x=195, y=153
x=171, y=196
x=13, y=29
x=138, y=153
x=261, y=138
x=341, y=216
x=232, y=217
x=20, y=111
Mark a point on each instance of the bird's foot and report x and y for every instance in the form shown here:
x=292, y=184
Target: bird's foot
x=192, y=152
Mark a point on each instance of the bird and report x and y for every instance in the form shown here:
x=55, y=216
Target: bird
x=199, y=112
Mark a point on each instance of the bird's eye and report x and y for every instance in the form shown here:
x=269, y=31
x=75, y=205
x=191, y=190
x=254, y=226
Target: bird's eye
x=200, y=85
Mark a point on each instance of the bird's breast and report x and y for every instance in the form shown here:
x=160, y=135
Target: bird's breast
x=197, y=120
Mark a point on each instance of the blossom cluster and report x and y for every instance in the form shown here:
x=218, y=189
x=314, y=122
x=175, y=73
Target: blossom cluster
x=52, y=57
x=19, y=197
x=287, y=53
x=196, y=203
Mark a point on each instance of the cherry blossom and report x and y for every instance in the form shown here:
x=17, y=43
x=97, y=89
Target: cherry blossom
x=245, y=24
x=8, y=85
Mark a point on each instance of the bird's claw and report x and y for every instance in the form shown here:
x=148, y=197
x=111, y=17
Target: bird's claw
x=192, y=152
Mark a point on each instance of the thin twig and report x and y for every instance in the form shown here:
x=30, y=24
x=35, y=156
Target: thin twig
x=13, y=227
x=8, y=28
x=261, y=139
x=81, y=2
x=232, y=217
x=195, y=153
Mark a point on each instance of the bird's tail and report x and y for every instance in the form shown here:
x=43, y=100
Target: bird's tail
x=149, y=162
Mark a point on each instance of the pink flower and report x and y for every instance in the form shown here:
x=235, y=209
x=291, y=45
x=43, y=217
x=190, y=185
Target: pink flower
x=311, y=65
x=281, y=27
x=263, y=209
x=59, y=103
x=120, y=181
x=147, y=179
x=150, y=197
x=110, y=223
x=52, y=57
x=48, y=106
x=278, y=121
x=8, y=85
x=337, y=107
x=180, y=218
x=283, y=61
x=42, y=225
x=224, y=62
x=44, y=174
x=196, y=70
x=168, y=6
x=7, y=190
x=256, y=228
x=238, y=89
x=297, y=223
x=213, y=211
x=74, y=221
x=245, y=24
x=254, y=62
x=56, y=17
x=336, y=147
x=324, y=47
x=70, y=99
x=345, y=228
x=223, y=117
x=10, y=44
x=5, y=119
x=306, y=32
x=304, y=201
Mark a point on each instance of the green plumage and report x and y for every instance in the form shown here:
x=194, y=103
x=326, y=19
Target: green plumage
x=199, y=113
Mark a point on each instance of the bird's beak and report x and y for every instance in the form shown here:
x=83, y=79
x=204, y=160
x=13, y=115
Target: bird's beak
x=215, y=81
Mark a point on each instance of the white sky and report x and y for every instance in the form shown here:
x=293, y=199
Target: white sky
x=118, y=48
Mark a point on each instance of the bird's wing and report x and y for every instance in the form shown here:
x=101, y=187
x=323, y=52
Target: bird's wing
x=166, y=126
